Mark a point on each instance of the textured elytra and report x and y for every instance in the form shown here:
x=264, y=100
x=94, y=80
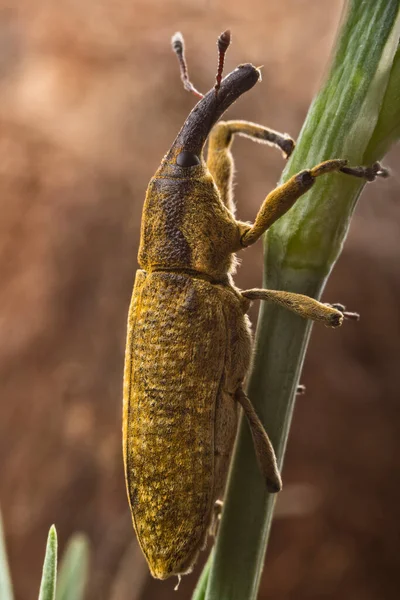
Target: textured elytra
x=180, y=417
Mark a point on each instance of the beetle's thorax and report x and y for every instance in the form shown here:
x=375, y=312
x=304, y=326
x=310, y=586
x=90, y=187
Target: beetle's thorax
x=185, y=225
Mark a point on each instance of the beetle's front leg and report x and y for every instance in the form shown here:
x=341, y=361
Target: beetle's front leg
x=262, y=445
x=220, y=160
x=330, y=314
x=278, y=202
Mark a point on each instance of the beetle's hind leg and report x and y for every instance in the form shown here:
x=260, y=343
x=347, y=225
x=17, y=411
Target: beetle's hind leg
x=220, y=160
x=262, y=445
x=331, y=315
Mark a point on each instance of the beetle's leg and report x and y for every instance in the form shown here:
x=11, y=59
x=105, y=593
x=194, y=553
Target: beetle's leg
x=220, y=160
x=216, y=518
x=278, y=202
x=262, y=445
x=306, y=307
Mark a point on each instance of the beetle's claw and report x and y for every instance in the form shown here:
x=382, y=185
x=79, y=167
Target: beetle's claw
x=351, y=316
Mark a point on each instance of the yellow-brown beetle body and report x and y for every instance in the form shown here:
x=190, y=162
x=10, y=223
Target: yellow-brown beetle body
x=188, y=351
x=189, y=342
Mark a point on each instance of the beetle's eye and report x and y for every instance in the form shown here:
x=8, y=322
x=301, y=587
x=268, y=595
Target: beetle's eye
x=187, y=159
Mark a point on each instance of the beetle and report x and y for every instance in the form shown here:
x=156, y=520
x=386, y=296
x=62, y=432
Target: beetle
x=189, y=339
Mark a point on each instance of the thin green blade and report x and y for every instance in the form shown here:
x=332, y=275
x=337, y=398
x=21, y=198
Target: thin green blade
x=74, y=566
x=49, y=574
x=6, y=591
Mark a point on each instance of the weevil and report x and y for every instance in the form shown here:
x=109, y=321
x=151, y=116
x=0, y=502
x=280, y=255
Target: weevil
x=189, y=339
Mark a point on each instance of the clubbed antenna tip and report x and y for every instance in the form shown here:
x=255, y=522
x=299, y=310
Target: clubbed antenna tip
x=223, y=44
x=178, y=46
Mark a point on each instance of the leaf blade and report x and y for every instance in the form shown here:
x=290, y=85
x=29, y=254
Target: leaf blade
x=49, y=575
x=73, y=571
x=6, y=589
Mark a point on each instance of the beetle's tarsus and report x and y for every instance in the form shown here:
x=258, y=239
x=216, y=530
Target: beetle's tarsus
x=351, y=316
x=369, y=173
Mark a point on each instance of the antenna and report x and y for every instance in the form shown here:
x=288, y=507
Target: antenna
x=223, y=44
x=178, y=46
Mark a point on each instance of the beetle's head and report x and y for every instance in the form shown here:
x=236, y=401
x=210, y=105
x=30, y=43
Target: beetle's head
x=186, y=153
x=179, y=229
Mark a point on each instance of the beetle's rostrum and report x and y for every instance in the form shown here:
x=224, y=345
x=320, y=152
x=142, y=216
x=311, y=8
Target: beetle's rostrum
x=210, y=108
x=189, y=338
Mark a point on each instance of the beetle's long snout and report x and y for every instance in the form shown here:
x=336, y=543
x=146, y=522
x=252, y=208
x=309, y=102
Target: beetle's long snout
x=208, y=110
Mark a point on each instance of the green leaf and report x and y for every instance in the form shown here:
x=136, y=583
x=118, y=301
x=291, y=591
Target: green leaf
x=73, y=572
x=201, y=587
x=49, y=575
x=6, y=591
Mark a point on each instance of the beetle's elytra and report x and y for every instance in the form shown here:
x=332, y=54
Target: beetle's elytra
x=189, y=342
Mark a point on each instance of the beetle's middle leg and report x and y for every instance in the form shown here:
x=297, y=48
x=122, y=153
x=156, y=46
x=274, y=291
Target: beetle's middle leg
x=220, y=160
x=330, y=314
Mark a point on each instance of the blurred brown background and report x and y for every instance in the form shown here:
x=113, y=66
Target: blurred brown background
x=90, y=101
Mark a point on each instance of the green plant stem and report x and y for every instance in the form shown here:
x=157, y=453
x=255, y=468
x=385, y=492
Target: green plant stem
x=344, y=121
x=387, y=129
